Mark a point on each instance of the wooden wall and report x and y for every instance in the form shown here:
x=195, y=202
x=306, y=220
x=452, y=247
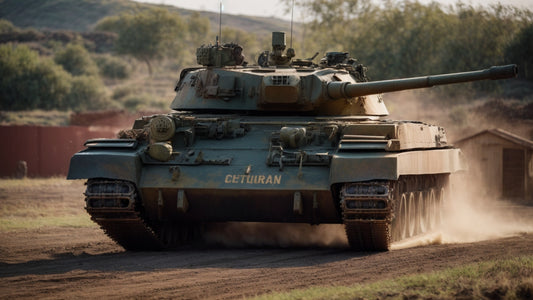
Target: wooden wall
x=46, y=149
x=485, y=156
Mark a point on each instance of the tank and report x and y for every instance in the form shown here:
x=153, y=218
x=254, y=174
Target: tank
x=286, y=141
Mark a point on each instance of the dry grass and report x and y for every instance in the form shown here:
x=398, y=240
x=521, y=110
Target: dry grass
x=35, y=117
x=34, y=203
x=499, y=279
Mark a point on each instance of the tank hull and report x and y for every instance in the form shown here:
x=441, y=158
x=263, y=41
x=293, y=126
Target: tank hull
x=261, y=177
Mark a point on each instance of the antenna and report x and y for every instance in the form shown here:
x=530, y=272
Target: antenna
x=220, y=23
x=292, y=18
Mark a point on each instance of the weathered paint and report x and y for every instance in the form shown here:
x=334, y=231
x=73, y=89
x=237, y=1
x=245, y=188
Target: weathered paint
x=253, y=179
x=117, y=164
x=352, y=167
x=233, y=177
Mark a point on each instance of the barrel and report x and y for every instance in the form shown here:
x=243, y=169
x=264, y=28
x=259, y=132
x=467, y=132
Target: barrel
x=340, y=89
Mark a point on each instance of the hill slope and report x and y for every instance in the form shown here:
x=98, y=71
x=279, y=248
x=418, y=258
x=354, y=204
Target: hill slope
x=82, y=15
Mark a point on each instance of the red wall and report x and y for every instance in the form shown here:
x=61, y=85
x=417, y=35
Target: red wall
x=46, y=150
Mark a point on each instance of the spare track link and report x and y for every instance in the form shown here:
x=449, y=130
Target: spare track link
x=367, y=214
x=113, y=205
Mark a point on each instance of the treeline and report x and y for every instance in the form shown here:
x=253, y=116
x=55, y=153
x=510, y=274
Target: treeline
x=407, y=38
x=66, y=70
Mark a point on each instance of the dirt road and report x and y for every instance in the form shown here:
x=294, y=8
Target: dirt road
x=67, y=262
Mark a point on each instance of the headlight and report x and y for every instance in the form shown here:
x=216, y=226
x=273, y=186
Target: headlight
x=160, y=151
x=162, y=128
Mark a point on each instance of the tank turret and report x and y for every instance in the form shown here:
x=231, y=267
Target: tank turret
x=284, y=85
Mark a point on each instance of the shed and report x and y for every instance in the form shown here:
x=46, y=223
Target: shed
x=501, y=162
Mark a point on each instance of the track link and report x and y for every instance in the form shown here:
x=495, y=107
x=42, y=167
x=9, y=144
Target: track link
x=367, y=214
x=113, y=205
x=376, y=213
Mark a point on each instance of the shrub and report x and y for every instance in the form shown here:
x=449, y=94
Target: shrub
x=143, y=102
x=6, y=26
x=122, y=92
x=88, y=93
x=30, y=82
x=76, y=60
x=113, y=67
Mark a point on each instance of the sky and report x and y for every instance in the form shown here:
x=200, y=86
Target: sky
x=264, y=9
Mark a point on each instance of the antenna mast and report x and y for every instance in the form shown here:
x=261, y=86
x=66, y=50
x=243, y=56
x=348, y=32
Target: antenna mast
x=220, y=24
x=292, y=18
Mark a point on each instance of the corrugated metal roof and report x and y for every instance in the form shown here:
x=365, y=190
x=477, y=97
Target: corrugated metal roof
x=513, y=138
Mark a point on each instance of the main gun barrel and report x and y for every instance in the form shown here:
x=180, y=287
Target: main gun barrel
x=339, y=89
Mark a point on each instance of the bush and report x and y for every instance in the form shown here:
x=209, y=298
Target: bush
x=30, y=82
x=122, y=92
x=132, y=103
x=113, y=67
x=6, y=26
x=99, y=42
x=23, y=36
x=88, y=93
x=143, y=102
x=76, y=60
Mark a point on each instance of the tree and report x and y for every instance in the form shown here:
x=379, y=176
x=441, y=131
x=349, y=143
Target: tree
x=198, y=28
x=407, y=38
x=146, y=35
x=519, y=51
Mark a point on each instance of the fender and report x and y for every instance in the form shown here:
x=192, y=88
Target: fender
x=361, y=166
x=101, y=159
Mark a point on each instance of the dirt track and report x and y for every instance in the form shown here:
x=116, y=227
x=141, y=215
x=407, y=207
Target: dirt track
x=65, y=262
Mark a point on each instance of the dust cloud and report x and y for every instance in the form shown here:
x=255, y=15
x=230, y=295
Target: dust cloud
x=284, y=235
x=470, y=216
x=467, y=216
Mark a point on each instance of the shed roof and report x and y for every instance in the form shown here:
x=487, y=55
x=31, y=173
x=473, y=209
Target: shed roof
x=513, y=138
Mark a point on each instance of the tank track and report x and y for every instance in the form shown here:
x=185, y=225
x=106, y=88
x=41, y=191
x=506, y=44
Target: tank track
x=376, y=213
x=113, y=205
x=367, y=213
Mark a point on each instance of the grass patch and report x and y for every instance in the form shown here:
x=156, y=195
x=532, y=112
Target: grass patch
x=10, y=183
x=42, y=202
x=499, y=279
x=9, y=223
x=35, y=117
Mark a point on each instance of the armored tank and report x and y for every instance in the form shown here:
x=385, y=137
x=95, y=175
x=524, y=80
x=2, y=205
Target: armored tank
x=286, y=140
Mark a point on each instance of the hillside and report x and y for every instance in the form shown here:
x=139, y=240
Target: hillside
x=82, y=15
